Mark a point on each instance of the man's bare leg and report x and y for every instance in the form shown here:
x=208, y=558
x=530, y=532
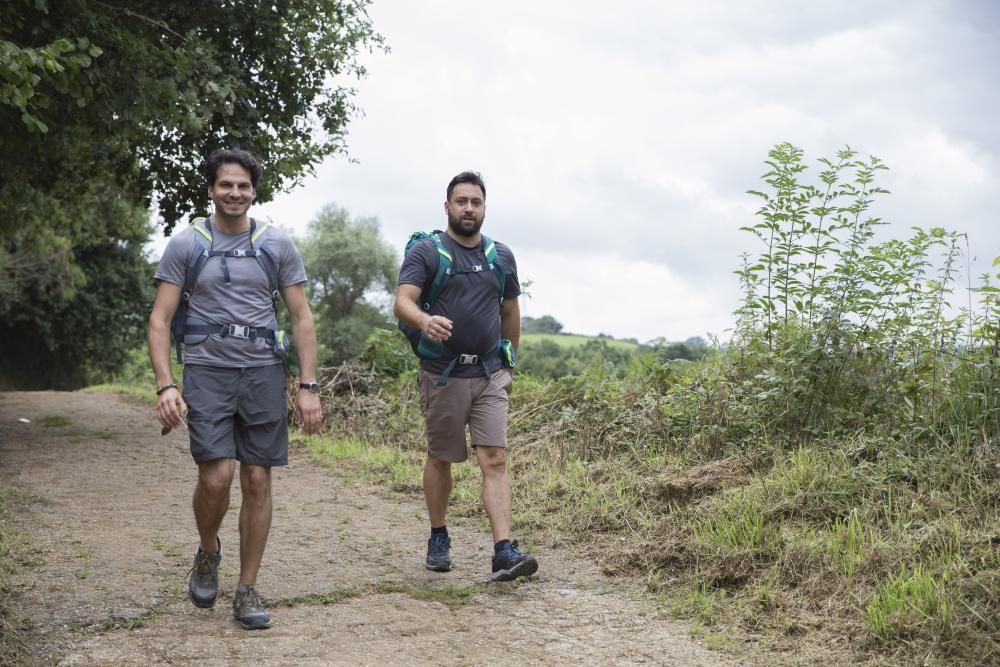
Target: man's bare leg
x=211, y=500
x=437, y=489
x=496, y=493
x=508, y=561
x=255, y=520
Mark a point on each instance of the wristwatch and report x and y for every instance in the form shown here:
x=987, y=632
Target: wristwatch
x=310, y=386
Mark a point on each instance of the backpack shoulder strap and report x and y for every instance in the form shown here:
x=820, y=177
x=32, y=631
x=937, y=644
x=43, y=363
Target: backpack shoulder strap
x=265, y=256
x=199, y=255
x=496, y=266
x=202, y=233
x=441, y=276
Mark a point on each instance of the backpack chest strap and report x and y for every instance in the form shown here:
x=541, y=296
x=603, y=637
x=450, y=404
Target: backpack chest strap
x=234, y=253
x=238, y=253
x=475, y=268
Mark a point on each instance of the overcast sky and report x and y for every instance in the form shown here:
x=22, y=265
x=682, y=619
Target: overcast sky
x=617, y=140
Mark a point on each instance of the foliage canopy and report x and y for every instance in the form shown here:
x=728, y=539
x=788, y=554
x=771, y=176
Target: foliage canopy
x=156, y=86
x=107, y=107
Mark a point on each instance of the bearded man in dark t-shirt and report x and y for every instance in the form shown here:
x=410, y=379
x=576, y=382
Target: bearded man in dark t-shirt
x=469, y=386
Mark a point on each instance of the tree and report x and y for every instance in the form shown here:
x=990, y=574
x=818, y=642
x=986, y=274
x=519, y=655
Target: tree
x=544, y=324
x=665, y=350
x=352, y=274
x=65, y=336
x=158, y=85
x=108, y=107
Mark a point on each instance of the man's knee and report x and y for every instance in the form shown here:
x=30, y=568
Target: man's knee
x=215, y=477
x=438, y=464
x=492, y=460
x=255, y=481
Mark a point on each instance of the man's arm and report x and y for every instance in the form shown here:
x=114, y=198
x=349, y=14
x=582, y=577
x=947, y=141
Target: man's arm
x=510, y=321
x=436, y=327
x=170, y=407
x=304, y=332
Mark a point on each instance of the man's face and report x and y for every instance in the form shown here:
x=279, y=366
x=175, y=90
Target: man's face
x=232, y=191
x=466, y=209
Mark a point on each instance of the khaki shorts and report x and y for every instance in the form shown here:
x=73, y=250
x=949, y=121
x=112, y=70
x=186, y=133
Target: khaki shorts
x=479, y=402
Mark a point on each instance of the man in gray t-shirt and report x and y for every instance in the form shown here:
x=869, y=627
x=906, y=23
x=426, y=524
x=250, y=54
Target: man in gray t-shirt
x=233, y=401
x=469, y=317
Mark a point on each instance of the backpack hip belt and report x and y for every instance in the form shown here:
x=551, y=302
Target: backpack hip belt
x=469, y=360
x=234, y=330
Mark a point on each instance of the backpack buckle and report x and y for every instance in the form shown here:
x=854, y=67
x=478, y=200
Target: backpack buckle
x=468, y=359
x=239, y=331
x=239, y=253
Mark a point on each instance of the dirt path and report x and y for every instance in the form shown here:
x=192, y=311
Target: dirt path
x=109, y=513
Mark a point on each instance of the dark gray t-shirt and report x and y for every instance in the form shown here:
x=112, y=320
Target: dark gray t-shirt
x=470, y=300
x=245, y=300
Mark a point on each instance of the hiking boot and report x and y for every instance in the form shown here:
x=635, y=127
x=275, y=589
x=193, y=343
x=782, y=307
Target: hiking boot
x=204, y=584
x=249, y=610
x=437, y=553
x=510, y=564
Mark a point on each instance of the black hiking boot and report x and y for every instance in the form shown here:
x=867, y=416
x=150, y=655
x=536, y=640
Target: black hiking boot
x=203, y=586
x=437, y=553
x=510, y=564
x=249, y=610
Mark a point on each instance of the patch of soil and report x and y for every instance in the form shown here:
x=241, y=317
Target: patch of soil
x=343, y=573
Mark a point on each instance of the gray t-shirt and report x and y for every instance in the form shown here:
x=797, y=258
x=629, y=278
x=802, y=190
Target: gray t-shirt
x=245, y=300
x=470, y=300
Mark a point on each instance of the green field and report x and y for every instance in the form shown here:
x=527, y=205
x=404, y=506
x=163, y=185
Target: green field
x=574, y=340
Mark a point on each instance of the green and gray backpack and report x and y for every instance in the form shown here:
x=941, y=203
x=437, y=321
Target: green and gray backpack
x=422, y=346
x=191, y=330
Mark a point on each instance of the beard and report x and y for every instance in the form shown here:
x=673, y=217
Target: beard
x=465, y=226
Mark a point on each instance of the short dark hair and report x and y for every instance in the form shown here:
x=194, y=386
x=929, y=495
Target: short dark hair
x=222, y=156
x=472, y=177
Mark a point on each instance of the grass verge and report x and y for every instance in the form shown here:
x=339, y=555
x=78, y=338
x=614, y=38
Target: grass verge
x=885, y=537
x=13, y=552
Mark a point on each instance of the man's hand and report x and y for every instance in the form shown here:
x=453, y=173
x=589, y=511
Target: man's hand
x=171, y=410
x=309, y=411
x=437, y=328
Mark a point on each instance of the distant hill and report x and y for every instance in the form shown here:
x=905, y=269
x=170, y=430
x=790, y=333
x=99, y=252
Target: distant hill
x=576, y=340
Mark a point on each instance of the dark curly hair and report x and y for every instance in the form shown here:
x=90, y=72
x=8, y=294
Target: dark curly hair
x=222, y=156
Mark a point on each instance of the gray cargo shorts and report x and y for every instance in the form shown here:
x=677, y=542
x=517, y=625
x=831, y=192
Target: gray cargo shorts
x=478, y=402
x=237, y=413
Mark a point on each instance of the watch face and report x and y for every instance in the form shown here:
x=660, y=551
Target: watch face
x=313, y=387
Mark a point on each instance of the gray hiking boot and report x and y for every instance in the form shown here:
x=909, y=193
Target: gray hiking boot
x=204, y=584
x=249, y=610
x=437, y=553
x=510, y=564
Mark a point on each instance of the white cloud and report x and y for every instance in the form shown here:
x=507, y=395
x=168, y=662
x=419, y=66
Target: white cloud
x=627, y=137
x=622, y=298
